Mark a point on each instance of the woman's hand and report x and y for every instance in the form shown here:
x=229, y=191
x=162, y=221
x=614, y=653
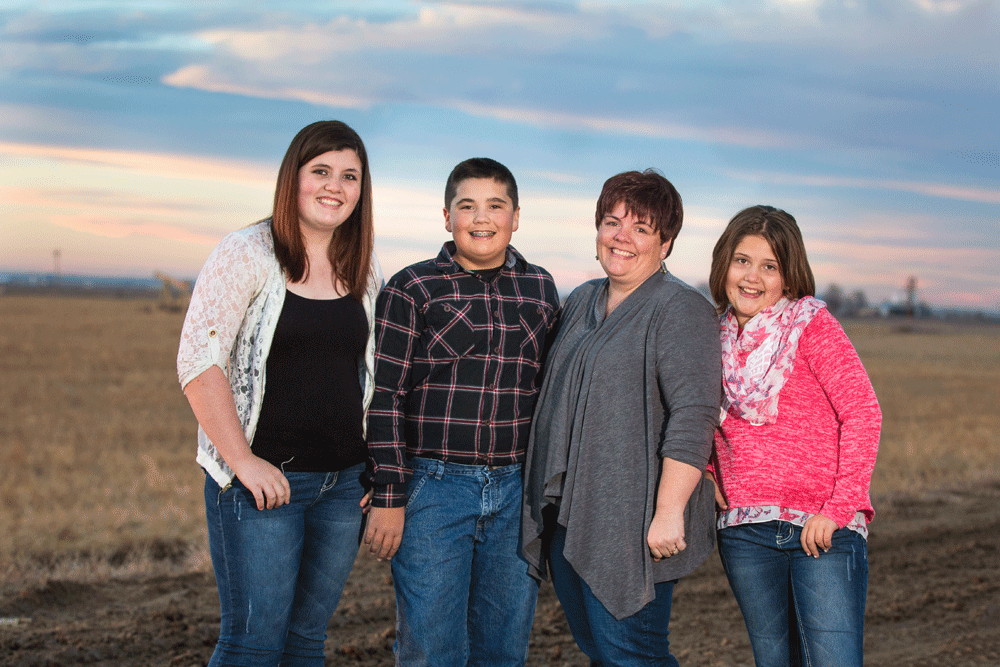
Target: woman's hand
x=268, y=485
x=211, y=400
x=666, y=535
x=720, y=498
x=385, y=531
x=817, y=533
x=666, y=531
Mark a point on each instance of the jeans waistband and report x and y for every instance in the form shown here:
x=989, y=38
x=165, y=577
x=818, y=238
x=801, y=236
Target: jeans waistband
x=440, y=468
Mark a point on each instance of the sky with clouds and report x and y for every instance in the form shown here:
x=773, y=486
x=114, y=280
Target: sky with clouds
x=134, y=135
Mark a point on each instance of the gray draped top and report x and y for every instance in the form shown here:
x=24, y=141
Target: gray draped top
x=621, y=393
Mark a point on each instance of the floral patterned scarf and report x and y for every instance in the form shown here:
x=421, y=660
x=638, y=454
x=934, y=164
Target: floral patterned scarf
x=769, y=342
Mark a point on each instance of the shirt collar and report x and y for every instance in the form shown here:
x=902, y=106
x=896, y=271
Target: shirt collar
x=445, y=260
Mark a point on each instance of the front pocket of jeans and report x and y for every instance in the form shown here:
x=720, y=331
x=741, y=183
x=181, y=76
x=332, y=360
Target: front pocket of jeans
x=416, y=484
x=238, y=499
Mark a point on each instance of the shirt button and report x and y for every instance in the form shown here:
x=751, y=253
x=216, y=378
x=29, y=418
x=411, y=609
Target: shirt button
x=447, y=309
x=497, y=313
x=497, y=349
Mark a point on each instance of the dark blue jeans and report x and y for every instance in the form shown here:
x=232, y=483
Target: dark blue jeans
x=280, y=572
x=639, y=639
x=463, y=592
x=799, y=610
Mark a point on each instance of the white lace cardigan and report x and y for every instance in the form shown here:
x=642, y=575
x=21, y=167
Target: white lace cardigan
x=230, y=324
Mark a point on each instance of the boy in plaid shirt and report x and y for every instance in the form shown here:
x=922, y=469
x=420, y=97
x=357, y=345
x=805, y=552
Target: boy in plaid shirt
x=459, y=344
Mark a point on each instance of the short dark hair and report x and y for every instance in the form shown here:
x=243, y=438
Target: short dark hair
x=353, y=242
x=480, y=167
x=647, y=195
x=782, y=233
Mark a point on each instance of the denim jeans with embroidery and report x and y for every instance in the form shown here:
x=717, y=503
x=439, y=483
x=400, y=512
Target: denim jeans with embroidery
x=799, y=610
x=280, y=572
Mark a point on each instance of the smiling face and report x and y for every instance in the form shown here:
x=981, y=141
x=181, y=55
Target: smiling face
x=628, y=248
x=329, y=189
x=754, y=280
x=481, y=219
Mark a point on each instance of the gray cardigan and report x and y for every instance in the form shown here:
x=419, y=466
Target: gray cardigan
x=621, y=393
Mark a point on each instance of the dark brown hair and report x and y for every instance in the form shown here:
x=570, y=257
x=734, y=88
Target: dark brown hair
x=351, y=247
x=479, y=167
x=782, y=234
x=647, y=195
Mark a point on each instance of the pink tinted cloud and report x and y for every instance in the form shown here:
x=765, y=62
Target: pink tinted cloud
x=731, y=136
x=109, y=215
x=971, y=299
x=200, y=77
x=966, y=260
x=114, y=227
x=218, y=169
x=943, y=190
x=100, y=200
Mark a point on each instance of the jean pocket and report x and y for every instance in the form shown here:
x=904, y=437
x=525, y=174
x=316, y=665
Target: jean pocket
x=238, y=492
x=415, y=485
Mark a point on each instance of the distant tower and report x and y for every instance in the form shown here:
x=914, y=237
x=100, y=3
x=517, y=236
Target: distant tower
x=56, y=256
x=911, y=296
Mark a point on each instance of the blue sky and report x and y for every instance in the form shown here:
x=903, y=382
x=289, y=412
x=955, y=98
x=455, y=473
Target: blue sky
x=135, y=135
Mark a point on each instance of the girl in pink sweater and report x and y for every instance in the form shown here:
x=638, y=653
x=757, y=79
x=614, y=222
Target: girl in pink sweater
x=795, y=450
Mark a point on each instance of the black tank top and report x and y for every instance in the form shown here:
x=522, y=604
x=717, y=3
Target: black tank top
x=311, y=416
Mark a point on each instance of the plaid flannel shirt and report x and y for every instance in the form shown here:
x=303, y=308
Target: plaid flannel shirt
x=457, y=366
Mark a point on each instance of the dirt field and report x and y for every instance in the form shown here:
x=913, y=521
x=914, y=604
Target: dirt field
x=934, y=597
x=102, y=557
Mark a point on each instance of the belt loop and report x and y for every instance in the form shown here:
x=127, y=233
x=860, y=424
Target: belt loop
x=439, y=472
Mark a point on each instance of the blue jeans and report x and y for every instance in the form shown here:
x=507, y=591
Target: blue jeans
x=463, y=592
x=639, y=639
x=280, y=572
x=799, y=610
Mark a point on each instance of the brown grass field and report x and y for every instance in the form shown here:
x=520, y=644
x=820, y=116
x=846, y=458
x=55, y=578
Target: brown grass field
x=103, y=555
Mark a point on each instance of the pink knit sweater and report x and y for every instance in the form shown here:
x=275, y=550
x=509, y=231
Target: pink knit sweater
x=818, y=457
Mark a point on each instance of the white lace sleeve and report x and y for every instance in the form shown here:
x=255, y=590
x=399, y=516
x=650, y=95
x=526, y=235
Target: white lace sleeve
x=231, y=277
